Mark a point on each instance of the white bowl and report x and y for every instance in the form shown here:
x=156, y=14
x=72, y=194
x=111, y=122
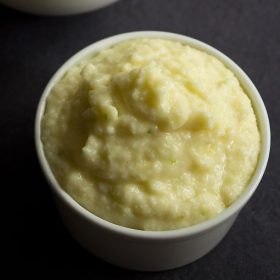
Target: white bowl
x=57, y=7
x=152, y=250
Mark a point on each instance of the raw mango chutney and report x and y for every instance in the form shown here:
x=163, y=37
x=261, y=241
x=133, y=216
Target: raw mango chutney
x=151, y=134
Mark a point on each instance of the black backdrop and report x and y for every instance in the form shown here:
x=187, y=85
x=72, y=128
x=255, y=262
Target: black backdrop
x=33, y=47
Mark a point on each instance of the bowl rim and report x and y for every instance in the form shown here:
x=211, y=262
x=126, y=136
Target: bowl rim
x=181, y=233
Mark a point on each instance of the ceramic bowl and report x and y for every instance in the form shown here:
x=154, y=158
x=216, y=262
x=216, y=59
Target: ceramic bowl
x=56, y=7
x=152, y=250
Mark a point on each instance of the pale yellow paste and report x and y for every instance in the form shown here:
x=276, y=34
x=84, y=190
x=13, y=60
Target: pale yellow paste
x=151, y=134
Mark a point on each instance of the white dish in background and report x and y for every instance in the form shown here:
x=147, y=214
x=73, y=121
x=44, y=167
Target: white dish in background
x=151, y=250
x=56, y=7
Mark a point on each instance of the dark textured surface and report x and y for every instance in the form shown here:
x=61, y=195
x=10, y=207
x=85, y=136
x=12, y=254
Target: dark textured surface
x=32, y=48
